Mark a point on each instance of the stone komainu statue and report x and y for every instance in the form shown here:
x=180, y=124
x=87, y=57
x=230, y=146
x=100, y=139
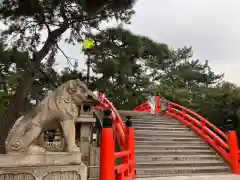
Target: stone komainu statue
x=60, y=106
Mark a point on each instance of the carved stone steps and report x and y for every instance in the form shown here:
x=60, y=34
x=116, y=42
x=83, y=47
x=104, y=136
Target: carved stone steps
x=173, y=171
x=190, y=163
x=173, y=138
x=171, y=157
x=152, y=121
x=162, y=128
x=159, y=123
x=165, y=147
x=165, y=134
x=172, y=124
x=167, y=143
x=157, y=127
x=180, y=171
x=134, y=114
x=175, y=151
x=171, y=147
x=169, y=132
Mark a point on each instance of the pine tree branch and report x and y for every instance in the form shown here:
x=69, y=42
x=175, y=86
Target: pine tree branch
x=67, y=57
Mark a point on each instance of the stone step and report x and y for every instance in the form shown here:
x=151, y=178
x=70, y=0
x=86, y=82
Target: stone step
x=168, y=138
x=180, y=171
x=164, y=170
x=190, y=163
x=182, y=128
x=152, y=118
x=218, y=174
x=167, y=143
x=173, y=171
x=133, y=114
x=176, y=152
x=173, y=137
x=165, y=134
x=160, y=126
x=171, y=157
x=145, y=121
x=161, y=129
x=152, y=121
x=157, y=127
x=156, y=124
x=149, y=114
x=172, y=147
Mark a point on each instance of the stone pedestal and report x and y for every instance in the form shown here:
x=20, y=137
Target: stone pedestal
x=46, y=166
x=86, y=120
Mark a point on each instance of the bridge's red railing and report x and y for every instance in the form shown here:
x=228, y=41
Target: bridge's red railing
x=108, y=170
x=118, y=125
x=145, y=107
x=125, y=137
x=225, y=144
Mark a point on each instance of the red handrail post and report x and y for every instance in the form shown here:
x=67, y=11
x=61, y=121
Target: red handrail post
x=169, y=108
x=122, y=175
x=107, y=149
x=157, y=104
x=130, y=147
x=233, y=148
x=126, y=159
x=99, y=94
x=132, y=153
x=107, y=154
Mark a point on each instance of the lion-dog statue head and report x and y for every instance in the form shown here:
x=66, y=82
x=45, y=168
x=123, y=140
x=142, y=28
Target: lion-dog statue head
x=60, y=106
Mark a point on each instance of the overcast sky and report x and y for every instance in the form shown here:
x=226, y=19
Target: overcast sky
x=211, y=27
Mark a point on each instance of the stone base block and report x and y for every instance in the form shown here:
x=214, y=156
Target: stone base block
x=48, y=158
x=47, y=166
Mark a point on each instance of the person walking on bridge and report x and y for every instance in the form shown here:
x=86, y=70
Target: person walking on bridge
x=151, y=100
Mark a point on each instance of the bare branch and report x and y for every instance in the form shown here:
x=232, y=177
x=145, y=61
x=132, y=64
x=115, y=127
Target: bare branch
x=67, y=57
x=77, y=31
x=48, y=28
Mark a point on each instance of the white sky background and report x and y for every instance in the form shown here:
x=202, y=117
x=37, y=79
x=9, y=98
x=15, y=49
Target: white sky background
x=211, y=27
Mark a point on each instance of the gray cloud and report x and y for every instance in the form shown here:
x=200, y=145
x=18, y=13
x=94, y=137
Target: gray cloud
x=210, y=27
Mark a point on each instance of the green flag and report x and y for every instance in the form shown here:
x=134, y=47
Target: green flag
x=87, y=44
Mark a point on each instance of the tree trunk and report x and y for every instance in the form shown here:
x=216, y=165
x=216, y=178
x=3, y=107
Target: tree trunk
x=12, y=110
x=4, y=82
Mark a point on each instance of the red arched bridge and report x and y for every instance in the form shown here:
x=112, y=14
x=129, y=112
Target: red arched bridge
x=225, y=145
